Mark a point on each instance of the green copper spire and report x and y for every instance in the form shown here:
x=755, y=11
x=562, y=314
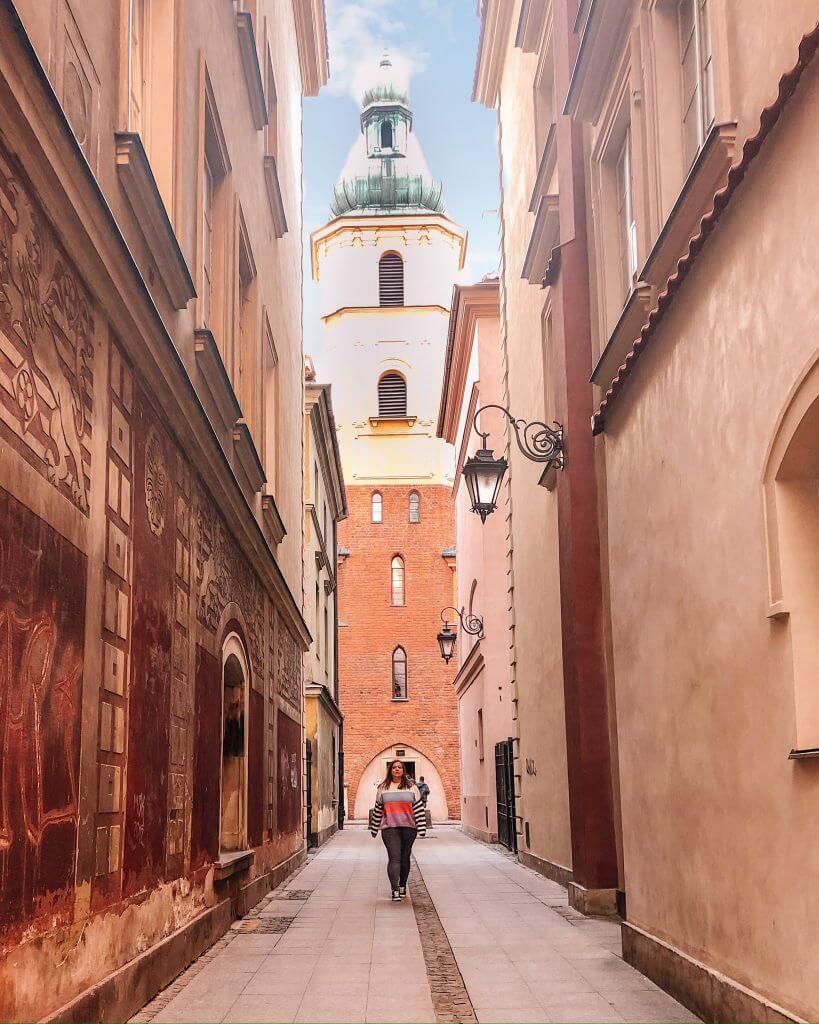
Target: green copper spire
x=386, y=172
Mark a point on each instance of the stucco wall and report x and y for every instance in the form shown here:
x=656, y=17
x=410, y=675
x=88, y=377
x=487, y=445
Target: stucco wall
x=534, y=539
x=718, y=859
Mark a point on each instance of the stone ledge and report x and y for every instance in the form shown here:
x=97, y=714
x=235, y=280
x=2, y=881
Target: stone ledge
x=593, y=902
x=706, y=992
x=232, y=863
x=123, y=992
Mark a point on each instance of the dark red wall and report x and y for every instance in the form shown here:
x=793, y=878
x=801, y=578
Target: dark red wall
x=42, y=627
x=207, y=760
x=256, y=787
x=146, y=815
x=288, y=746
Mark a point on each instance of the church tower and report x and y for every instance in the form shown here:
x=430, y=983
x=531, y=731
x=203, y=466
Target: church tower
x=386, y=263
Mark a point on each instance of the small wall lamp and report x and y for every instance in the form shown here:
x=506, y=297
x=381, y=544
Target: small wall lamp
x=470, y=624
x=484, y=473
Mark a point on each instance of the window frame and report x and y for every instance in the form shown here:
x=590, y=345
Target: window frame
x=385, y=300
x=416, y=495
x=377, y=494
x=383, y=398
x=701, y=103
x=398, y=565
x=403, y=660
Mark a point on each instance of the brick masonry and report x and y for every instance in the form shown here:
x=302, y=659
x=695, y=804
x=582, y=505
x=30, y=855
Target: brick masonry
x=373, y=628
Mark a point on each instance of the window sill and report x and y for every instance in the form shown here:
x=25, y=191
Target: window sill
x=696, y=199
x=399, y=700
x=272, y=519
x=545, y=169
x=138, y=183
x=376, y=421
x=215, y=378
x=601, y=44
x=626, y=331
x=232, y=864
x=274, y=195
x=247, y=457
x=543, y=240
x=250, y=64
x=804, y=755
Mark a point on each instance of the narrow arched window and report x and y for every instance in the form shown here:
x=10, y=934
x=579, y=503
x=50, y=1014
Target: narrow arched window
x=386, y=135
x=414, y=507
x=377, y=508
x=397, y=580
x=392, y=395
x=391, y=280
x=399, y=674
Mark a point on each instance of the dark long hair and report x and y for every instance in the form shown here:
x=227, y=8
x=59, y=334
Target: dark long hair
x=404, y=783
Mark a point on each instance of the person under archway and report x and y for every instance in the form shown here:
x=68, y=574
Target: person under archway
x=400, y=817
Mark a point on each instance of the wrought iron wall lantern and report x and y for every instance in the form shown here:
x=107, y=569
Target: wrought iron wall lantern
x=483, y=473
x=470, y=624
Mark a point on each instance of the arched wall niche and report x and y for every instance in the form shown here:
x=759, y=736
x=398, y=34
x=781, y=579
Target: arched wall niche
x=791, y=497
x=235, y=688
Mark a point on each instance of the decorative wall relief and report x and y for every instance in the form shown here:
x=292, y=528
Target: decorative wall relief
x=156, y=481
x=223, y=575
x=288, y=664
x=46, y=350
x=42, y=627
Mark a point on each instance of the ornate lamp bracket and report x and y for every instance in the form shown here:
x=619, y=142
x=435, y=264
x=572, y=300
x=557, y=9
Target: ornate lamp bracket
x=538, y=441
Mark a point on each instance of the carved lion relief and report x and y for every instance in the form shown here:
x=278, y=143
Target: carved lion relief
x=223, y=575
x=156, y=482
x=45, y=341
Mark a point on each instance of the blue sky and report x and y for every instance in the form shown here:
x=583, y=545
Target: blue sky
x=432, y=44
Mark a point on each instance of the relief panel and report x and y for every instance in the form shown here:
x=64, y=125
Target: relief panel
x=42, y=628
x=207, y=760
x=46, y=351
x=289, y=774
x=288, y=664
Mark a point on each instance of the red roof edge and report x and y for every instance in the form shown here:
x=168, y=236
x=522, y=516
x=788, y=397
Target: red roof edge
x=768, y=119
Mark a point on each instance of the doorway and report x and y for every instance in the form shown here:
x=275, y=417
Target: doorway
x=505, y=791
x=233, y=819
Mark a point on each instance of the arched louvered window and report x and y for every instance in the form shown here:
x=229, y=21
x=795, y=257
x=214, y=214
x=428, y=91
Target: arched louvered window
x=399, y=674
x=414, y=507
x=397, y=580
x=386, y=135
x=391, y=280
x=377, y=508
x=392, y=395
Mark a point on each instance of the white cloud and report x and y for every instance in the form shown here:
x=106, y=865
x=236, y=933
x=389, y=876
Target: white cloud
x=358, y=32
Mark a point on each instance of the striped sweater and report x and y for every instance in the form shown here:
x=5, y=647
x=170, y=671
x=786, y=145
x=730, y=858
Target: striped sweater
x=398, y=808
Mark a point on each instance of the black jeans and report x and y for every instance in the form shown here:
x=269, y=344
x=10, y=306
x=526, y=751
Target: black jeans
x=399, y=847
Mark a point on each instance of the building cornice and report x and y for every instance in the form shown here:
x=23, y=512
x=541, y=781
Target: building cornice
x=325, y=698
x=469, y=304
x=342, y=311
x=722, y=199
x=394, y=223
x=311, y=42
x=319, y=408
x=469, y=670
x=496, y=21
x=34, y=121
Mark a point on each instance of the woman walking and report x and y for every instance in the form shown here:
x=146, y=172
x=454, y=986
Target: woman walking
x=399, y=815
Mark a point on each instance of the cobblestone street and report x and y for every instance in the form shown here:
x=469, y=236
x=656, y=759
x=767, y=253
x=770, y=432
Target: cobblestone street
x=481, y=938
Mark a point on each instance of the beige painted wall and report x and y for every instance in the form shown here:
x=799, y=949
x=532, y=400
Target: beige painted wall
x=538, y=668
x=719, y=855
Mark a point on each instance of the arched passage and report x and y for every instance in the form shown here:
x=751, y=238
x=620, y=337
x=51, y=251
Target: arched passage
x=375, y=771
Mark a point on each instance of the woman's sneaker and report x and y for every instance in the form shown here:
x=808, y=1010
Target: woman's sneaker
x=395, y=896
x=402, y=891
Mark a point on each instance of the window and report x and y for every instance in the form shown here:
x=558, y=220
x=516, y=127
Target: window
x=215, y=216
x=270, y=408
x=245, y=348
x=414, y=507
x=697, y=75
x=386, y=135
x=544, y=100
x=271, y=140
x=399, y=674
x=391, y=280
x=326, y=640
x=397, y=579
x=392, y=395
x=316, y=627
x=626, y=224
x=480, y=734
x=315, y=485
x=151, y=67
x=377, y=508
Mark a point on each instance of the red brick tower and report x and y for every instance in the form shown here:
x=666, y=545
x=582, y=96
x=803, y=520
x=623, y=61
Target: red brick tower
x=393, y=703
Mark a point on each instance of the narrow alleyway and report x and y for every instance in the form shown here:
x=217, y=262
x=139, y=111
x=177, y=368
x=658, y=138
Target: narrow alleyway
x=482, y=938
